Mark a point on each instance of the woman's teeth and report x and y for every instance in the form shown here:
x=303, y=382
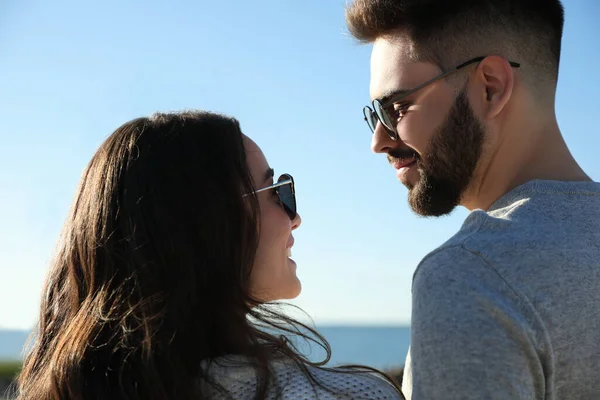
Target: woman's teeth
x=289, y=252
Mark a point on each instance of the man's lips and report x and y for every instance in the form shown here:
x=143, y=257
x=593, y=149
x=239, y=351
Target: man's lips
x=397, y=164
x=401, y=158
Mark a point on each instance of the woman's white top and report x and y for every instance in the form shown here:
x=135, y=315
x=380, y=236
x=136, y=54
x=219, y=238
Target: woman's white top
x=238, y=377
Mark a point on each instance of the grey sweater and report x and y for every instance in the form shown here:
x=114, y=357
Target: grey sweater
x=509, y=308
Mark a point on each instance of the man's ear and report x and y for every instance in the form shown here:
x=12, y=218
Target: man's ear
x=495, y=82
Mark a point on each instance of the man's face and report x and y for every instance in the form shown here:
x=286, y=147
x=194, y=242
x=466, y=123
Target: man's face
x=440, y=138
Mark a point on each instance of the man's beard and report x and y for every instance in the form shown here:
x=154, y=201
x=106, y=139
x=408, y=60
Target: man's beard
x=447, y=169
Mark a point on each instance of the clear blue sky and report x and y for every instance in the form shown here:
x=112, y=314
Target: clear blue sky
x=70, y=73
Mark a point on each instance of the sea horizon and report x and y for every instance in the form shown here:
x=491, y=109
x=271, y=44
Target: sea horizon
x=382, y=346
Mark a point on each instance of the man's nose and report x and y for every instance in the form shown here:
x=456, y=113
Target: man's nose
x=381, y=141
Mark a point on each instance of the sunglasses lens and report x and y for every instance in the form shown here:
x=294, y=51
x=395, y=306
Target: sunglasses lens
x=287, y=195
x=385, y=119
x=370, y=118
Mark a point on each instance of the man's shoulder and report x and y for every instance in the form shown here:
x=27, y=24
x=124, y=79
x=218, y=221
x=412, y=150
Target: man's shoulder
x=536, y=212
x=451, y=260
x=479, y=249
x=464, y=247
x=535, y=227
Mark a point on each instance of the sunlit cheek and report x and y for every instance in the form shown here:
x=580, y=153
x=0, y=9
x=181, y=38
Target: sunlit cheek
x=417, y=129
x=412, y=132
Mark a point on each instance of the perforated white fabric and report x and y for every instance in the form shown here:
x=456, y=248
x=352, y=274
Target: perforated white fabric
x=291, y=384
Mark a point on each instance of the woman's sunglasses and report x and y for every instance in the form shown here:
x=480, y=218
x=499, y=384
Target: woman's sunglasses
x=286, y=191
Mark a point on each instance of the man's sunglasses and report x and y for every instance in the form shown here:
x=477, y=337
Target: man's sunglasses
x=286, y=192
x=383, y=109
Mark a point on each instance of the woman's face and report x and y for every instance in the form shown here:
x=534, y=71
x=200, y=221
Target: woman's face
x=273, y=274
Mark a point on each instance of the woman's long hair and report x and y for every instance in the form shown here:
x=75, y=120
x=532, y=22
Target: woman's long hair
x=151, y=271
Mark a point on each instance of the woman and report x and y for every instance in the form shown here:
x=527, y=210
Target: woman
x=176, y=246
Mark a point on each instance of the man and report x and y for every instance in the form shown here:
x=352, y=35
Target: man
x=509, y=307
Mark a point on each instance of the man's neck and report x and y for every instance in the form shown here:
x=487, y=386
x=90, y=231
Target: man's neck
x=540, y=155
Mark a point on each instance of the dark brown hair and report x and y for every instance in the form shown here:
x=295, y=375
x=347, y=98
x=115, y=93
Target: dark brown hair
x=151, y=273
x=449, y=32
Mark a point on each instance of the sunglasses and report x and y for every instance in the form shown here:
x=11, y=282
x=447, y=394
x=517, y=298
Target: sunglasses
x=286, y=192
x=383, y=109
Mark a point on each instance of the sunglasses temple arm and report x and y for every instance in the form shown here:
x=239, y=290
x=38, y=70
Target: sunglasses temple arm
x=276, y=185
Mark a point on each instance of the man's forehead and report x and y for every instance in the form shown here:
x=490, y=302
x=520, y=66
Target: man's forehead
x=392, y=61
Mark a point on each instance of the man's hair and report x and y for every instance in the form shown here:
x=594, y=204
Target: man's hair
x=449, y=32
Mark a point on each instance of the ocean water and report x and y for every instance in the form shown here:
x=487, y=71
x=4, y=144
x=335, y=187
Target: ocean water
x=382, y=347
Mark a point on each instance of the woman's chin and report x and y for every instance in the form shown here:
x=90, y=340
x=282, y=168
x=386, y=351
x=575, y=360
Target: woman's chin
x=297, y=289
x=293, y=290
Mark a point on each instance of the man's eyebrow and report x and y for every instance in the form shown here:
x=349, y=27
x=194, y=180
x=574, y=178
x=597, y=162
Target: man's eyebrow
x=269, y=174
x=393, y=93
